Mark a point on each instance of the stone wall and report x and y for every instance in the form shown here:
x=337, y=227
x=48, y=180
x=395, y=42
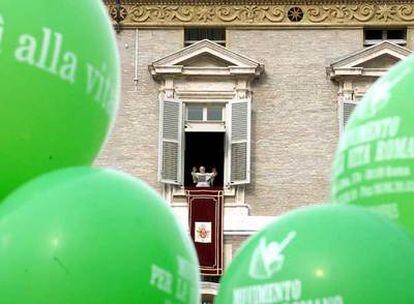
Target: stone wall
x=235, y=241
x=133, y=144
x=410, y=38
x=295, y=125
x=295, y=121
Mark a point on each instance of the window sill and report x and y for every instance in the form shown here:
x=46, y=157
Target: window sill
x=205, y=126
x=229, y=191
x=371, y=42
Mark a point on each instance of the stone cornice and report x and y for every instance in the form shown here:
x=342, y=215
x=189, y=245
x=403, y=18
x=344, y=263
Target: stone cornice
x=352, y=65
x=262, y=13
x=372, y=52
x=256, y=2
x=237, y=65
x=207, y=47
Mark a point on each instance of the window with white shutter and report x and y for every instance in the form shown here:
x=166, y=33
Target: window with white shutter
x=169, y=167
x=240, y=142
x=347, y=109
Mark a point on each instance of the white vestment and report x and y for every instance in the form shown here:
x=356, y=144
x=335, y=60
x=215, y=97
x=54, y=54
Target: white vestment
x=202, y=179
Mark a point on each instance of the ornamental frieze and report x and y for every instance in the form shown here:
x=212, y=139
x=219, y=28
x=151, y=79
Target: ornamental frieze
x=132, y=15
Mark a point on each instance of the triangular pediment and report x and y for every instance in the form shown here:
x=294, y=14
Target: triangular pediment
x=383, y=61
x=370, y=61
x=206, y=60
x=370, y=54
x=205, y=57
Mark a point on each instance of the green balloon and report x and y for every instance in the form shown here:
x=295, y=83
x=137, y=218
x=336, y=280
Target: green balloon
x=332, y=254
x=59, y=86
x=374, y=163
x=93, y=236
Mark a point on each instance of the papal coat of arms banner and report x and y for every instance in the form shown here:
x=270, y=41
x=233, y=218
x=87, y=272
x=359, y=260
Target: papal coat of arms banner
x=206, y=228
x=202, y=232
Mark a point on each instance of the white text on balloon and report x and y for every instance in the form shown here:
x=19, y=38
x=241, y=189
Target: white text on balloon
x=1, y=30
x=100, y=86
x=48, y=55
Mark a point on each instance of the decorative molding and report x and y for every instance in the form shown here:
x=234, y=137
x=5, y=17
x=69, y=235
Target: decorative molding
x=365, y=54
x=351, y=65
x=254, y=2
x=354, y=77
x=263, y=13
x=207, y=47
x=237, y=65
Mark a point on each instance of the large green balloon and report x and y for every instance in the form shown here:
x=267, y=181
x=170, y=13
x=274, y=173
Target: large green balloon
x=374, y=164
x=323, y=255
x=93, y=236
x=59, y=85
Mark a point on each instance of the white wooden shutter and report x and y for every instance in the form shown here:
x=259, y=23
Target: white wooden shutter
x=347, y=109
x=240, y=142
x=169, y=163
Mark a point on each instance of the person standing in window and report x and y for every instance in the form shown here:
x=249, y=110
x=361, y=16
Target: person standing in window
x=214, y=174
x=193, y=174
x=202, y=178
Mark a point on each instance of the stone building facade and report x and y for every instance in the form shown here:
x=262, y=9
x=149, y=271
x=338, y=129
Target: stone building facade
x=298, y=67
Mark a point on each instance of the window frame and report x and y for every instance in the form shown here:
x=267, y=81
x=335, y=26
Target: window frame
x=205, y=107
x=227, y=128
x=342, y=123
x=188, y=42
x=370, y=42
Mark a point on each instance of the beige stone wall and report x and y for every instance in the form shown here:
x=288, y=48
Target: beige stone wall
x=410, y=38
x=235, y=241
x=295, y=120
x=133, y=144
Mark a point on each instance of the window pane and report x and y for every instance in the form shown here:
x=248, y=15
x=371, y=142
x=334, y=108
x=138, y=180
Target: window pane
x=373, y=34
x=396, y=34
x=195, y=112
x=192, y=35
x=219, y=34
x=215, y=113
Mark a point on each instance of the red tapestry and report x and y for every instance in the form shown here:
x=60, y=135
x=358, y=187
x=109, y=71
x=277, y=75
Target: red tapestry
x=206, y=228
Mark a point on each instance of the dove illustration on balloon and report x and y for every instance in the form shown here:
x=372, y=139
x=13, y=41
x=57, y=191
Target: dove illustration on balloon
x=267, y=259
